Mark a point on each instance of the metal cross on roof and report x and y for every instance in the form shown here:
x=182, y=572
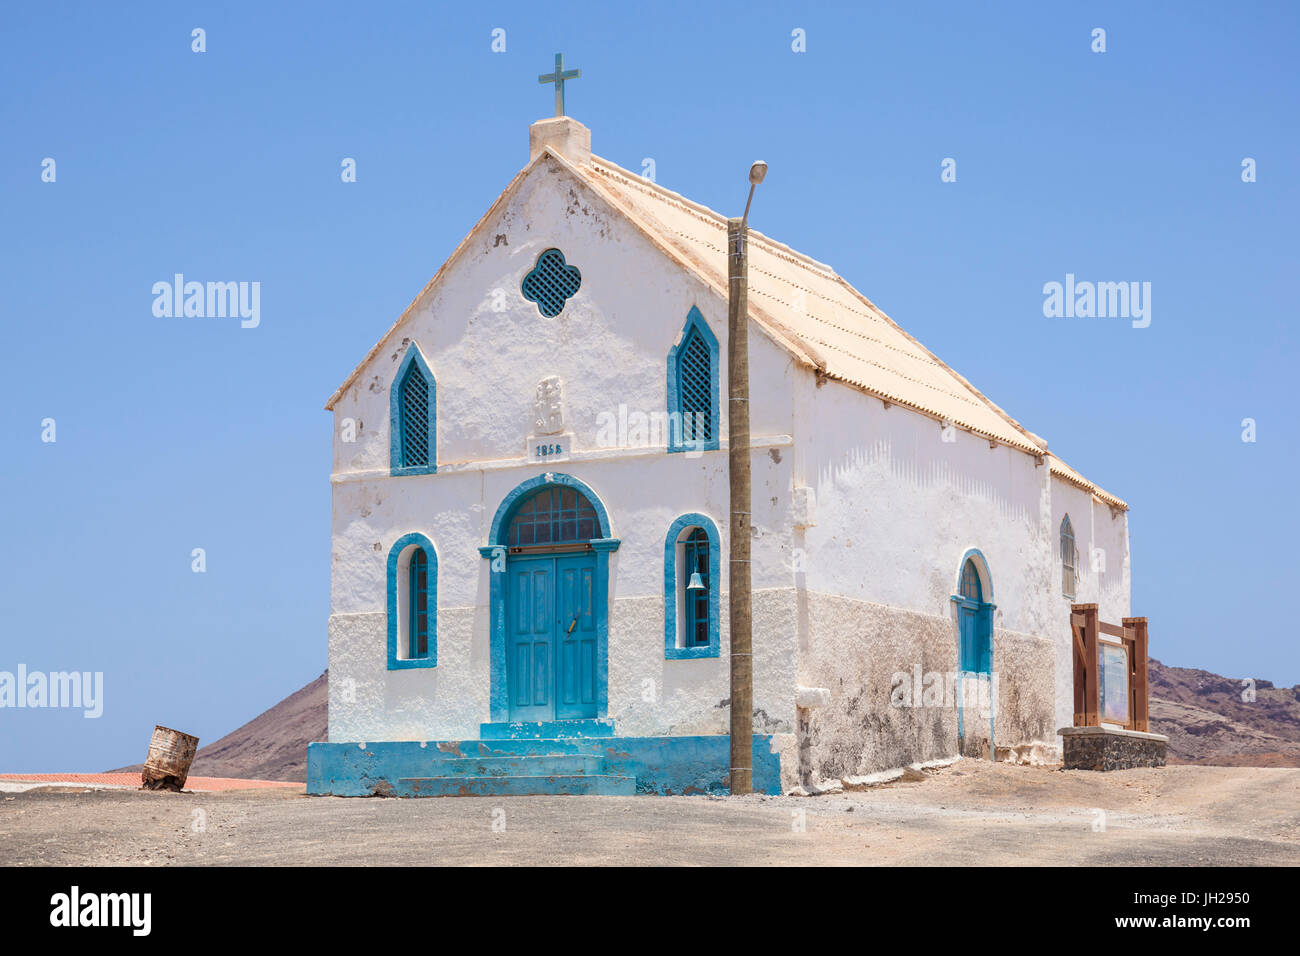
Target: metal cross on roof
x=558, y=78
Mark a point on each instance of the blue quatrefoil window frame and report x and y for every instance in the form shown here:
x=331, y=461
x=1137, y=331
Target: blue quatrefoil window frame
x=551, y=283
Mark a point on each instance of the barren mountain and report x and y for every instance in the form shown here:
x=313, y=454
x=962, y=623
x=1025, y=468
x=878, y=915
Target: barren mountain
x=1225, y=721
x=271, y=746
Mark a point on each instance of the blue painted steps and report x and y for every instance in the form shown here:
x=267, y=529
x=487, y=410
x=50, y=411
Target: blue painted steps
x=689, y=764
x=520, y=786
x=517, y=775
x=516, y=766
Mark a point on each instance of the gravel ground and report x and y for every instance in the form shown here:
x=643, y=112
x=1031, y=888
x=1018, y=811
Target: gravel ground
x=970, y=813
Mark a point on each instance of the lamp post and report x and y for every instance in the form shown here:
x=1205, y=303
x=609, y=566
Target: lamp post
x=740, y=599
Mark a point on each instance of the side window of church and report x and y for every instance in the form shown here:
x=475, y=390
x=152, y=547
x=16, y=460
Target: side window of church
x=1069, y=573
x=693, y=388
x=412, y=602
x=695, y=587
x=417, y=628
x=415, y=418
x=412, y=403
x=692, y=576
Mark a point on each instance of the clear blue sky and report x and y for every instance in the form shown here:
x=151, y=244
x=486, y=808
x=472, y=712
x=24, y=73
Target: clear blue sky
x=175, y=434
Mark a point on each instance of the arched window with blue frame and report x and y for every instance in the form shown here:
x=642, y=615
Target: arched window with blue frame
x=693, y=419
x=692, y=582
x=413, y=417
x=412, y=603
x=1069, y=566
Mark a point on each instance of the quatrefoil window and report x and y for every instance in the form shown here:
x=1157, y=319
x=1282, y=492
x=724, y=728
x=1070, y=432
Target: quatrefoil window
x=551, y=283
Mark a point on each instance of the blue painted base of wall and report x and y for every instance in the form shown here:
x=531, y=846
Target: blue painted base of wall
x=527, y=765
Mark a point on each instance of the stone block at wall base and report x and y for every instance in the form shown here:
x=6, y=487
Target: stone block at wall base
x=1111, y=748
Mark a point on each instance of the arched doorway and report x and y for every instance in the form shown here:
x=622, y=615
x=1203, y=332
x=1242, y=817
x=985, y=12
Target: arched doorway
x=975, y=684
x=549, y=572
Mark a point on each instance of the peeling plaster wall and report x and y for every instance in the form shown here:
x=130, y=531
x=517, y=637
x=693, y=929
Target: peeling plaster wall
x=856, y=649
x=610, y=347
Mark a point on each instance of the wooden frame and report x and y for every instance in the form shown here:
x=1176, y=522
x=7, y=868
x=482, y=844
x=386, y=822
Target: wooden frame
x=1086, y=630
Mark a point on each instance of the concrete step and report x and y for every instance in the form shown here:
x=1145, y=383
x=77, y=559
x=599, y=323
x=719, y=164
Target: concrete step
x=538, y=765
x=517, y=786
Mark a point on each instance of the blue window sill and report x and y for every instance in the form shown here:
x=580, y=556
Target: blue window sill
x=690, y=653
x=402, y=470
x=396, y=665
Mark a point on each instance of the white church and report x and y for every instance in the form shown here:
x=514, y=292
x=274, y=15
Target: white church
x=530, y=514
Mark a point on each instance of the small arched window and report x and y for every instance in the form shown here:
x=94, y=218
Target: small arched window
x=695, y=588
x=1069, y=569
x=693, y=388
x=412, y=603
x=691, y=582
x=413, y=420
x=417, y=603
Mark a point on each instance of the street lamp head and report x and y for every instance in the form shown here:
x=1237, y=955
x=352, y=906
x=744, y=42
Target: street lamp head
x=757, y=172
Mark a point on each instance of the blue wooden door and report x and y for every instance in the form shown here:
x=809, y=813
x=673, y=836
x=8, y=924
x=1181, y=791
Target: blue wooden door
x=968, y=618
x=551, y=641
x=530, y=636
x=576, y=641
x=976, y=638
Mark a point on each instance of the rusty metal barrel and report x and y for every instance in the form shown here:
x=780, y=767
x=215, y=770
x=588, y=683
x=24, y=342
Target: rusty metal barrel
x=168, y=762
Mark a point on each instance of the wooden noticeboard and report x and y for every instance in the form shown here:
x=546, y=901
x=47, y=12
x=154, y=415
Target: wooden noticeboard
x=1110, y=671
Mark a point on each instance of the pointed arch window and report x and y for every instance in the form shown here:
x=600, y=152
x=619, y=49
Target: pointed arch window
x=692, y=558
x=412, y=603
x=412, y=411
x=1069, y=562
x=693, y=387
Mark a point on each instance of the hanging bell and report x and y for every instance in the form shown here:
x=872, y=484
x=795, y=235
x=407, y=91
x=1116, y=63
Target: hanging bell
x=697, y=583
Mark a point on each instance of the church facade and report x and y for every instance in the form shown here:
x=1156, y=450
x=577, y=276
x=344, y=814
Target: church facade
x=530, y=516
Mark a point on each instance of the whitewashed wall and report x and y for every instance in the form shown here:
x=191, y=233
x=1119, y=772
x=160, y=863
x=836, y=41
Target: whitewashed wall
x=1101, y=538
x=898, y=508
x=610, y=346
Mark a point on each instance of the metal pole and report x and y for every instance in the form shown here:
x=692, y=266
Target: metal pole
x=740, y=594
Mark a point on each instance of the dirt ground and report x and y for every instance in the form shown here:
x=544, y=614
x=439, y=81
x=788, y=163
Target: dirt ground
x=971, y=813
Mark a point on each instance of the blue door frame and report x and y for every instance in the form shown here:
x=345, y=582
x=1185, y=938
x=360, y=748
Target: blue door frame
x=974, y=600
x=499, y=564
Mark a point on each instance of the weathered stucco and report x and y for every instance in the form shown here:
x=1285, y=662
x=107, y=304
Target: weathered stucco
x=857, y=650
x=848, y=591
